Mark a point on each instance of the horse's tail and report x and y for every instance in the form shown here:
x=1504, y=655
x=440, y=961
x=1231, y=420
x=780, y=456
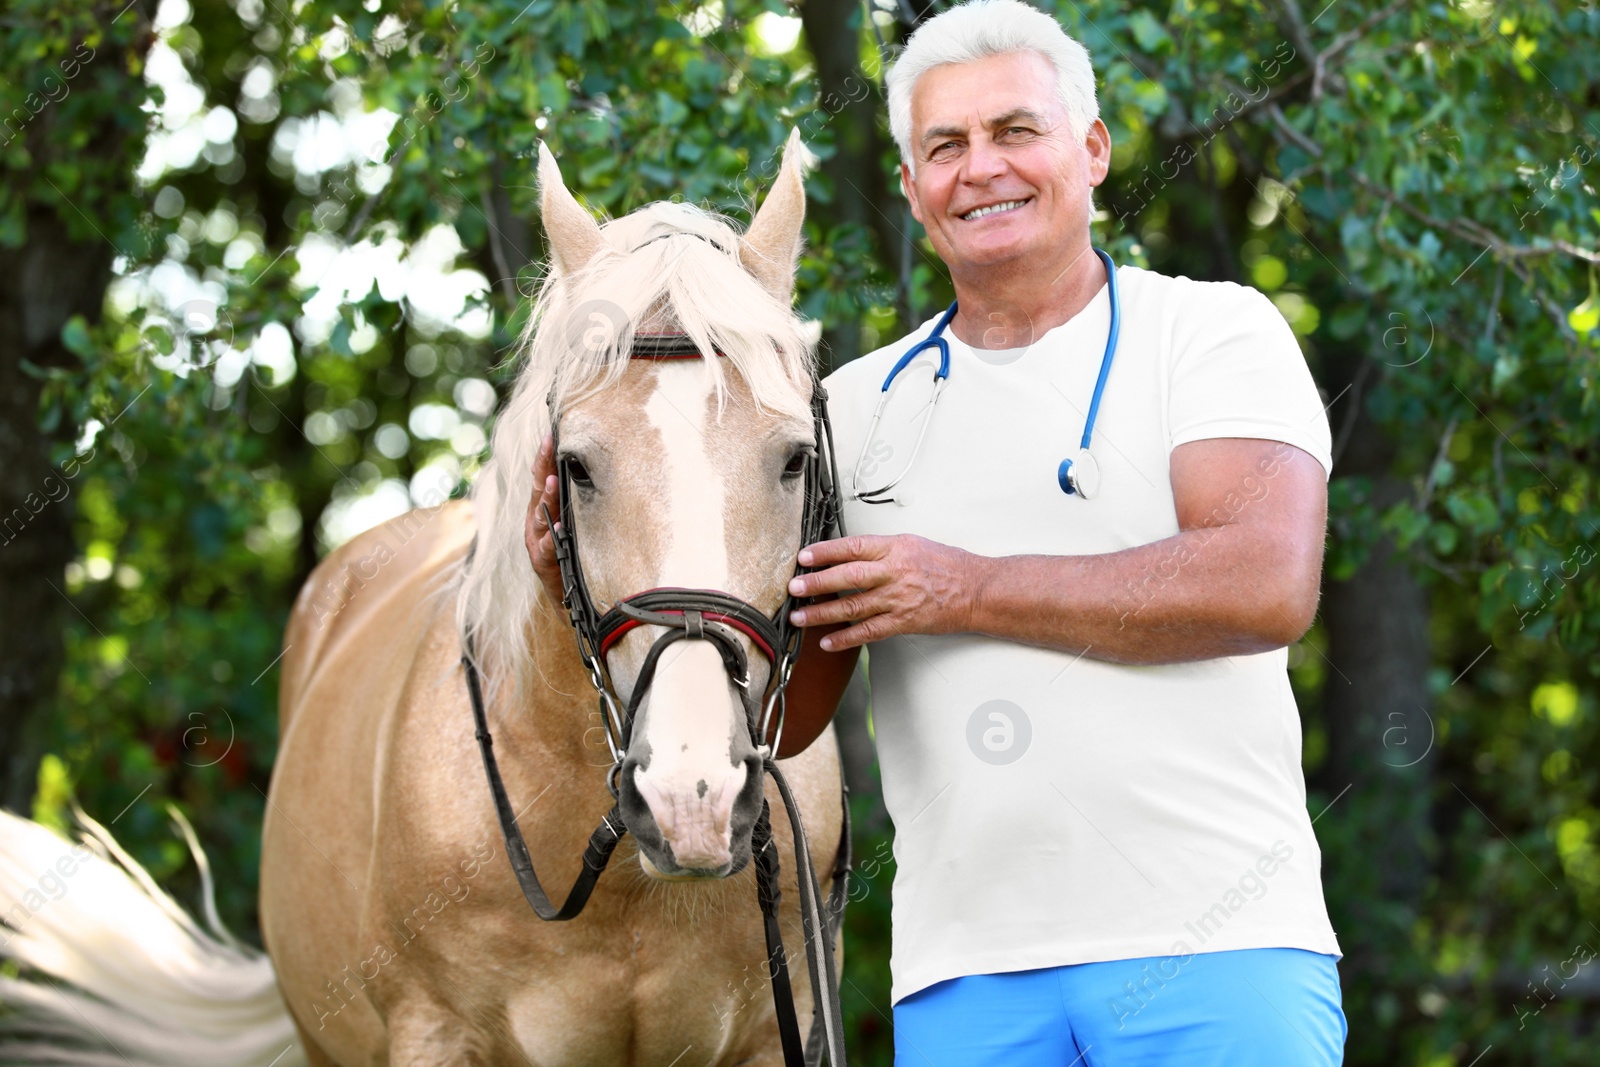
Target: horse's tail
x=114, y=973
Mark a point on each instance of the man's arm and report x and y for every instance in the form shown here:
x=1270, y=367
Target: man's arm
x=1242, y=575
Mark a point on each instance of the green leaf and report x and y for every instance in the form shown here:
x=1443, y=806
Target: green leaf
x=339, y=340
x=1444, y=537
x=1149, y=33
x=1586, y=316
x=75, y=336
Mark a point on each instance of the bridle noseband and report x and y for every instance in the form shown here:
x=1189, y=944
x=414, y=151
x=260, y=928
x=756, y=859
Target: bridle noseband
x=719, y=618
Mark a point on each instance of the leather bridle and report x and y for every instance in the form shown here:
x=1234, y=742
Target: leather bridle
x=720, y=618
x=696, y=614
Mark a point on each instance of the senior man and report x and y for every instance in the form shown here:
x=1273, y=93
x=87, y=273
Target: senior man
x=1088, y=742
x=1087, y=738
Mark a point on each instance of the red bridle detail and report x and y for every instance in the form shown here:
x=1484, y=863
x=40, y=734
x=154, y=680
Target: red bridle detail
x=711, y=616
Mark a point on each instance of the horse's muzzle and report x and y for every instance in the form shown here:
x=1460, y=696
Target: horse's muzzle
x=698, y=831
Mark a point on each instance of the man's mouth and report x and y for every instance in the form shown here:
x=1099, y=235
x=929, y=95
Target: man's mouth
x=994, y=209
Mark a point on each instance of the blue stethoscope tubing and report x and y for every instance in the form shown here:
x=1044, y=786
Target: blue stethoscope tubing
x=1077, y=475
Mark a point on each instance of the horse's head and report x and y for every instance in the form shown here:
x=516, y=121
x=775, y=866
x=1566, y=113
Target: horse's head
x=679, y=473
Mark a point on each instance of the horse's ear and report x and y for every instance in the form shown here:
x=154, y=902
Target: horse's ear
x=573, y=234
x=772, y=243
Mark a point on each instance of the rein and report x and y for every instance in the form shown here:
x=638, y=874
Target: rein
x=717, y=617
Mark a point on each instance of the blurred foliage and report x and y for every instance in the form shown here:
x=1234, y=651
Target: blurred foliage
x=320, y=256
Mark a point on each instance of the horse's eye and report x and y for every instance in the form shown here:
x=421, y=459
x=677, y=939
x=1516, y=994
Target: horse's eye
x=578, y=473
x=797, y=464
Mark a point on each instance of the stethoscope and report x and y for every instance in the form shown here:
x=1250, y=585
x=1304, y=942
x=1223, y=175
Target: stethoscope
x=1078, y=475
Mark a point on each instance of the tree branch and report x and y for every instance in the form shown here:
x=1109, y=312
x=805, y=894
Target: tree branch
x=1212, y=128
x=1472, y=231
x=1279, y=120
x=1433, y=468
x=1295, y=29
x=1351, y=36
x=1316, y=72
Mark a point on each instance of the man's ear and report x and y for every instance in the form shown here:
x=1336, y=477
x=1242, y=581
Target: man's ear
x=908, y=185
x=1098, y=143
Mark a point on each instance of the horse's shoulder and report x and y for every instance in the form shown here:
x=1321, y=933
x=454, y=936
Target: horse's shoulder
x=383, y=574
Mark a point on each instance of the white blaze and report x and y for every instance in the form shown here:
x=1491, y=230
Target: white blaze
x=692, y=499
x=690, y=784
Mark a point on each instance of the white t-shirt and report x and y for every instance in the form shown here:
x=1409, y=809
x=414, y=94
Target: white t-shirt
x=1053, y=809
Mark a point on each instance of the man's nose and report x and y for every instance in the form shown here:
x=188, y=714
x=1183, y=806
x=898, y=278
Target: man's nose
x=985, y=161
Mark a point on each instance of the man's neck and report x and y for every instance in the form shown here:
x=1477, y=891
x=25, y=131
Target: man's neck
x=1014, y=304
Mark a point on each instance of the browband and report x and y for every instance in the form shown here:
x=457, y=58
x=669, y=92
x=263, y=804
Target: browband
x=679, y=233
x=664, y=346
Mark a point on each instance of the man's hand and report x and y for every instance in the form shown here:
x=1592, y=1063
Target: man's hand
x=536, y=527
x=887, y=586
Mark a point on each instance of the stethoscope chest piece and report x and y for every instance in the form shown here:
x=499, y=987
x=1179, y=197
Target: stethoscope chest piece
x=1079, y=475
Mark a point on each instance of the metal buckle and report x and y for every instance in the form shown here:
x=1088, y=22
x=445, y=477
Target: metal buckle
x=611, y=716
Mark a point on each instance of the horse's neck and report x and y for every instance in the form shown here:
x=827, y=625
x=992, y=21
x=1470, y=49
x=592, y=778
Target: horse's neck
x=558, y=701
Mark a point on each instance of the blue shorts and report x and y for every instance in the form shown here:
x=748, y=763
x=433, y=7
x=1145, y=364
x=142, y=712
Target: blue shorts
x=1264, y=1007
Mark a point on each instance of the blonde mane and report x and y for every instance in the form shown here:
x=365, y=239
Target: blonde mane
x=667, y=266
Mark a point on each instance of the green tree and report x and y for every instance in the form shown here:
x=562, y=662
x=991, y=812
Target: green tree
x=275, y=304
x=67, y=131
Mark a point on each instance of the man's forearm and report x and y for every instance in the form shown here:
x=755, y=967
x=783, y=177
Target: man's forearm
x=1202, y=593
x=1241, y=576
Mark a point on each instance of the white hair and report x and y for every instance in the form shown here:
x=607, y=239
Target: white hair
x=982, y=28
x=666, y=265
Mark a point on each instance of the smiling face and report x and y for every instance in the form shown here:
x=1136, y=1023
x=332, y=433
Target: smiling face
x=1001, y=181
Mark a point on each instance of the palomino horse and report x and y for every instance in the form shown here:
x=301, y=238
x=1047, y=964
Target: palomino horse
x=397, y=930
